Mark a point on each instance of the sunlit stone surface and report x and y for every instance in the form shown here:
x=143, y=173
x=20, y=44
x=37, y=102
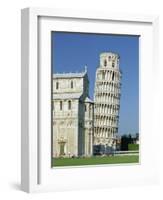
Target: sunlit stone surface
x=80, y=125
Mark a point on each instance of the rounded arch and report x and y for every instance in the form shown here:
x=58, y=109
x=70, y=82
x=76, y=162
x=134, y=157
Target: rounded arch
x=113, y=76
x=105, y=62
x=72, y=84
x=69, y=105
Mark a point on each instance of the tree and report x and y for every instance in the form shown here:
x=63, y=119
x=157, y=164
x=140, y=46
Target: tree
x=125, y=140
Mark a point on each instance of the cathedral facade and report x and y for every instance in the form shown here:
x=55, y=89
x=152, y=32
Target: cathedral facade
x=73, y=115
x=79, y=124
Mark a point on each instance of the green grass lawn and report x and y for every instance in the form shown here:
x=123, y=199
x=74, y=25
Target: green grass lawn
x=56, y=162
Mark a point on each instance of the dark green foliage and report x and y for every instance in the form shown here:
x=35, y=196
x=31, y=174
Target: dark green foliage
x=128, y=139
x=125, y=140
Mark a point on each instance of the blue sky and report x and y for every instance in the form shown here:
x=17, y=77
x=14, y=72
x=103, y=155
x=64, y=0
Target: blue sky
x=72, y=51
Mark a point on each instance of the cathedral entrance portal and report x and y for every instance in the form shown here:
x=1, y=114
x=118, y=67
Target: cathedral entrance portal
x=62, y=148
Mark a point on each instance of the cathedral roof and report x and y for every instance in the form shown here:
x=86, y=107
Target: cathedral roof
x=67, y=96
x=87, y=99
x=69, y=75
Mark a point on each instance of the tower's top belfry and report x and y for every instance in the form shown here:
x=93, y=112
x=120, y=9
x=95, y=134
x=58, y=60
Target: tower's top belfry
x=109, y=60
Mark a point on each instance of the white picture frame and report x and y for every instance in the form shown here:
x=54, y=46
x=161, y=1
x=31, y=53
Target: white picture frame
x=36, y=171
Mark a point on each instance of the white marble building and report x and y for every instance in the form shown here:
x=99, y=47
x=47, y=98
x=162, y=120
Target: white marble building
x=72, y=115
x=107, y=100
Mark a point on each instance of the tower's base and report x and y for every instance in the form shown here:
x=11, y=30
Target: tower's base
x=103, y=150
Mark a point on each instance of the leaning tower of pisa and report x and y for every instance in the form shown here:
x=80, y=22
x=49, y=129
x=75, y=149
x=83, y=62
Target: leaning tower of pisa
x=107, y=99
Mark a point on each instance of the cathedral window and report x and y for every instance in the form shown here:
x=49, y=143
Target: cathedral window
x=103, y=75
x=113, y=64
x=60, y=105
x=113, y=77
x=69, y=105
x=72, y=84
x=85, y=108
x=105, y=63
x=52, y=105
x=57, y=85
